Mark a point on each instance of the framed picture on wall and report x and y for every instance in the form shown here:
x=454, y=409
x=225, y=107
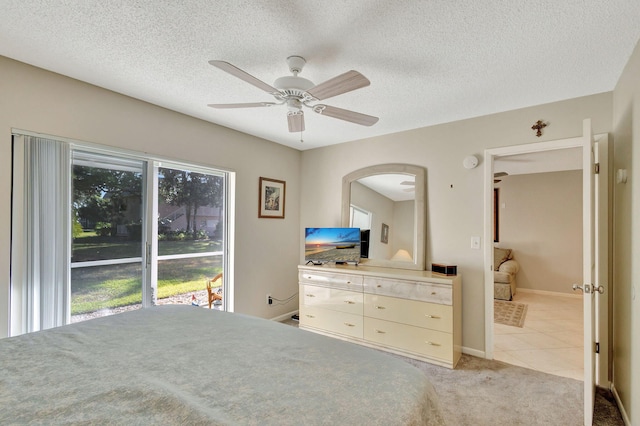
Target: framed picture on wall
x=272, y=198
x=384, y=235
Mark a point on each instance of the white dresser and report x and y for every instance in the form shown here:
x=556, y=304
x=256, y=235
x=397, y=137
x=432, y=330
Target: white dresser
x=412, y=313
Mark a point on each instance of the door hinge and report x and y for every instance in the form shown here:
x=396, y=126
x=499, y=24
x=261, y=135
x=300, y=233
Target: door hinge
x=597, y=347
x=596, y=168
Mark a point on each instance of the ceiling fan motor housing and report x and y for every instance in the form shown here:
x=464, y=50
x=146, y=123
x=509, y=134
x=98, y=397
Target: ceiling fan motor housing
x=291, y=82
x=293, y=90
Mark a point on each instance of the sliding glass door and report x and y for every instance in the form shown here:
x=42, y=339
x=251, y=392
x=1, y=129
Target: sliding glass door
x=142, y=233
x=107, y=240
x=142, y=242
x=190, y=234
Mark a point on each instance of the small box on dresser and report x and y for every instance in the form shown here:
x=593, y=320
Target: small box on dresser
x=412, y=313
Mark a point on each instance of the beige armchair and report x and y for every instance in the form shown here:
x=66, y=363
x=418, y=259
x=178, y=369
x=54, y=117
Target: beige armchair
x=504, y=274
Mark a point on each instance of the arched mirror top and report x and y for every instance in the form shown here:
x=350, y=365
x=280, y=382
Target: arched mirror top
x=388, y=200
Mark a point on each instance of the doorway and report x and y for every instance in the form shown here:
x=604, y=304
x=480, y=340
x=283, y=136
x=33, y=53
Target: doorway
x=555, y=149
x=540, y=222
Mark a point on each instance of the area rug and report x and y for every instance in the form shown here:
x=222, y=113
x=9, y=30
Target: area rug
x=509, y=313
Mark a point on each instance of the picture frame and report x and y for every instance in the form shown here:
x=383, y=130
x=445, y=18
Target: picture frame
x=384, y=235
x=271, y=200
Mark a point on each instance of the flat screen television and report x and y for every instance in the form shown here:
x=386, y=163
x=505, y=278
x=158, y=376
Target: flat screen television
x=332, y=245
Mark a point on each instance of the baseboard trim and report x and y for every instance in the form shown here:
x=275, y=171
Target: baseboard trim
x=549, y=293
x=625, y=417
x=284, y=316
x=473, y=352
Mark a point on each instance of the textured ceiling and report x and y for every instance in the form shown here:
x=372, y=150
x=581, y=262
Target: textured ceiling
x=429, y=62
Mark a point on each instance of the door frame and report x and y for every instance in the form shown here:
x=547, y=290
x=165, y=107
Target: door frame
x=602, y=373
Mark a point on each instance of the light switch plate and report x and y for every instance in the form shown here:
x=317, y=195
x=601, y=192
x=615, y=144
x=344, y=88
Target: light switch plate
x=475, y=243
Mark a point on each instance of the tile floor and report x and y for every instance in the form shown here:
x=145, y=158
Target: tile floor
x=551, y=339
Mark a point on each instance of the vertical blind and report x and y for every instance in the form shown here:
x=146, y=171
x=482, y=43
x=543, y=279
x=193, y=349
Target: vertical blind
x=40, y=255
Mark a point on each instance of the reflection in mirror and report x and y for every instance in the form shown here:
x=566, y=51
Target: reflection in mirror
x=388, y=202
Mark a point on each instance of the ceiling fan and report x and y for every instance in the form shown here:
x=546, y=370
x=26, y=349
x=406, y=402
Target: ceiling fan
x=411, y=184
x=296, y=92
x=497, y=175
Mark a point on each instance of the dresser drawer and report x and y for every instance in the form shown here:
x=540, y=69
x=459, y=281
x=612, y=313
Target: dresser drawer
x=406, y=289
x=331, y=279
x=429, y=343
x=332, y=321
x=331, y=298
x=420, y=314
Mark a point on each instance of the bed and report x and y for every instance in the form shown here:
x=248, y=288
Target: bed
x=179, y=364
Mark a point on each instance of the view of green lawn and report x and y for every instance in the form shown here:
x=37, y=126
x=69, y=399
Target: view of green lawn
x=111, y=286
x=89, y=246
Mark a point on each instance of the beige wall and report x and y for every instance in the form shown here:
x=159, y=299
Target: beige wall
x=541, y=220
x=39, y=101
x=398, y=215
x=626, y=249
x=381, y=208
x=401, y=231
x=454, y=194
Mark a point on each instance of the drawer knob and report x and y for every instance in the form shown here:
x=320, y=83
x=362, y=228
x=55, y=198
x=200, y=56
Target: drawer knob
x=380, y=307
x=310, y=316
x=350, y=302
x=379, y=285
x=433, y=293
x=432, y=316
x=349, y=324
x=432, y=343
x=380, y=331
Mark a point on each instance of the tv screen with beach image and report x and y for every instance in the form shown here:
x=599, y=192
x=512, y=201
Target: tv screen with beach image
x=324, y=245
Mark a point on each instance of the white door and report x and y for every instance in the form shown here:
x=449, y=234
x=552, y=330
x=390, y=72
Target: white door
x=590, y=278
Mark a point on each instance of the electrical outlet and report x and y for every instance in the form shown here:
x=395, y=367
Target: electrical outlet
x=269, y=299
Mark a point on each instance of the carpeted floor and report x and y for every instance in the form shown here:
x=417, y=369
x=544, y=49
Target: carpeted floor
x=509, y=313
x=483, y=392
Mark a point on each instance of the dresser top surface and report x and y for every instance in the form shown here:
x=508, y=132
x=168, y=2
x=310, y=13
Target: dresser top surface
x=384, y=272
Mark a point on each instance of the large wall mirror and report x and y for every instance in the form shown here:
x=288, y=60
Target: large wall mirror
x=388, y=200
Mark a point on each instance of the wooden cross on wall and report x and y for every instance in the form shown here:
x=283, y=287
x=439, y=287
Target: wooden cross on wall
x=539, y=126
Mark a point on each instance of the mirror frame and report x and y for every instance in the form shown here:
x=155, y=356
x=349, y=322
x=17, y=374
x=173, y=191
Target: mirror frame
x=419, y=226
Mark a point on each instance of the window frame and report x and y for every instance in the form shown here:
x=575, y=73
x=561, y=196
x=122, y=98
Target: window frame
x=149, y=254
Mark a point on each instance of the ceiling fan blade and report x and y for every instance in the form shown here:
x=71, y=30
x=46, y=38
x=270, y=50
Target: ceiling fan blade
x=350, y=80
x=296, y=121
x=242, y=75
x=346, y=115
x=244, y=105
